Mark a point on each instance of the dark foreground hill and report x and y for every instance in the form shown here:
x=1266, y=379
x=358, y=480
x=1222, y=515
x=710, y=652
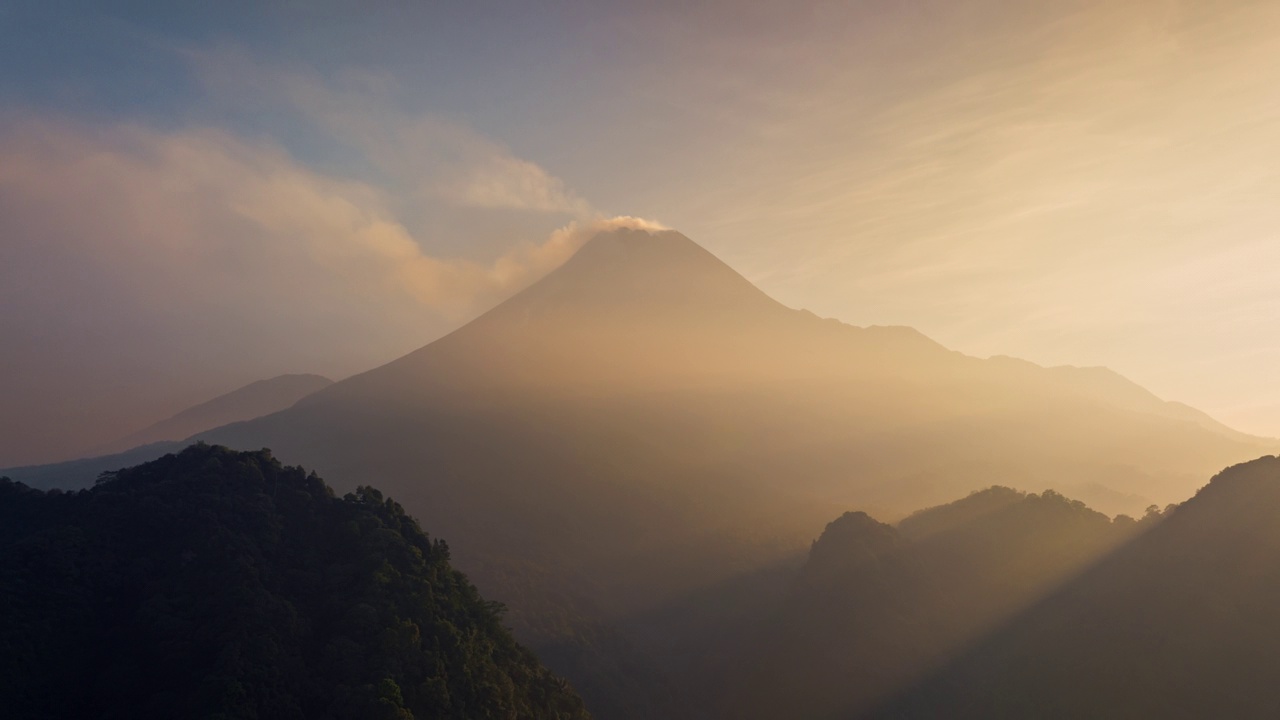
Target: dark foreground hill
x=1183, y=622
x=219, y=584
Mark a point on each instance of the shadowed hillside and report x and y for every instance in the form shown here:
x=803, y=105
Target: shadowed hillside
x=876, y=606
x=1181, y=623
x=221, y=584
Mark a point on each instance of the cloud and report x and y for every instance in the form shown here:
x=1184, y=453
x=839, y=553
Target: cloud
x=136, y=260
x=204, y=203
x=501, y=181
x=426, y=156
x=306, y=223
x=525, y=264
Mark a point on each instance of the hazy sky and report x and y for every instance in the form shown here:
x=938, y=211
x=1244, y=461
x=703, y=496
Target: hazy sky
x=196, y=196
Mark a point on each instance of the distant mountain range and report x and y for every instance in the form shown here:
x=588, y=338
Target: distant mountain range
x=644, y=423
x=251, y=401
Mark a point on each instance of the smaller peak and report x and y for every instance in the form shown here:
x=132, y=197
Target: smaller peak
x=853, y=532
x=993, y=507
x=853, y=521
x=853, y=550
x=1249, y=483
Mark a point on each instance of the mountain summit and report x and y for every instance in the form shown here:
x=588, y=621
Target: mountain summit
x=636, y=309
x=633, y=272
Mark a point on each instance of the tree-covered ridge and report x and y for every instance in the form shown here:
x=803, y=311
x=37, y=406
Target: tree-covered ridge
x=1180, y=622
x=220, y=584
x=876, y=606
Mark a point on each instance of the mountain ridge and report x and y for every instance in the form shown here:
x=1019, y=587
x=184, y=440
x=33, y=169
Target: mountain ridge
x=258, y=398
x=1179, y=622
x=875, y=605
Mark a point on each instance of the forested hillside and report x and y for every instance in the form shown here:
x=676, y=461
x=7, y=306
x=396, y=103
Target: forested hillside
x=875, y=606
x=1180, y=623
x=220, y=584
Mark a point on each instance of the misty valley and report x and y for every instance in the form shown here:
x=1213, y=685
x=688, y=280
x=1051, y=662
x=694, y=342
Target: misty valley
x=642, y=488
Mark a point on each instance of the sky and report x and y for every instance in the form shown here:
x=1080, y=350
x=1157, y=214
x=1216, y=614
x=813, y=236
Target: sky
x=197, y=196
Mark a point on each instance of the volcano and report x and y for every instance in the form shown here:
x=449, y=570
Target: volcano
x=644, y=421
x=647, y=392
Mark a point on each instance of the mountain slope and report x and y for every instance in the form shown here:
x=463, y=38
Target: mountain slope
x=251, y=401
x=220, y=584
x=1179, y=623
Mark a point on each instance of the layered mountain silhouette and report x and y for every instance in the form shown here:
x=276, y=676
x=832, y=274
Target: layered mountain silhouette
x=246, y=403
x=644, y=422
x=1179, y=623
x=1013, y=605
x=251, y=401
x=876, y=607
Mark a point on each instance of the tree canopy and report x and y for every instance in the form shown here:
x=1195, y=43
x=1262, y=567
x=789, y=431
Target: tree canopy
x=221, y=584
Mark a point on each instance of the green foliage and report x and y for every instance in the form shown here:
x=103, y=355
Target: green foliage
x=219, y=584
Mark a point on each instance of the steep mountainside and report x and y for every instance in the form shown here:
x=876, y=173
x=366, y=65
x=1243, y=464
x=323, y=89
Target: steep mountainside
x=1180, y=623
x=644, y=423
x=221, y=584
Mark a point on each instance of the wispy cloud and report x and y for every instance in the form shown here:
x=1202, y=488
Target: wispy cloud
x=155, y=262
x=426, y=157
x=222, y=209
